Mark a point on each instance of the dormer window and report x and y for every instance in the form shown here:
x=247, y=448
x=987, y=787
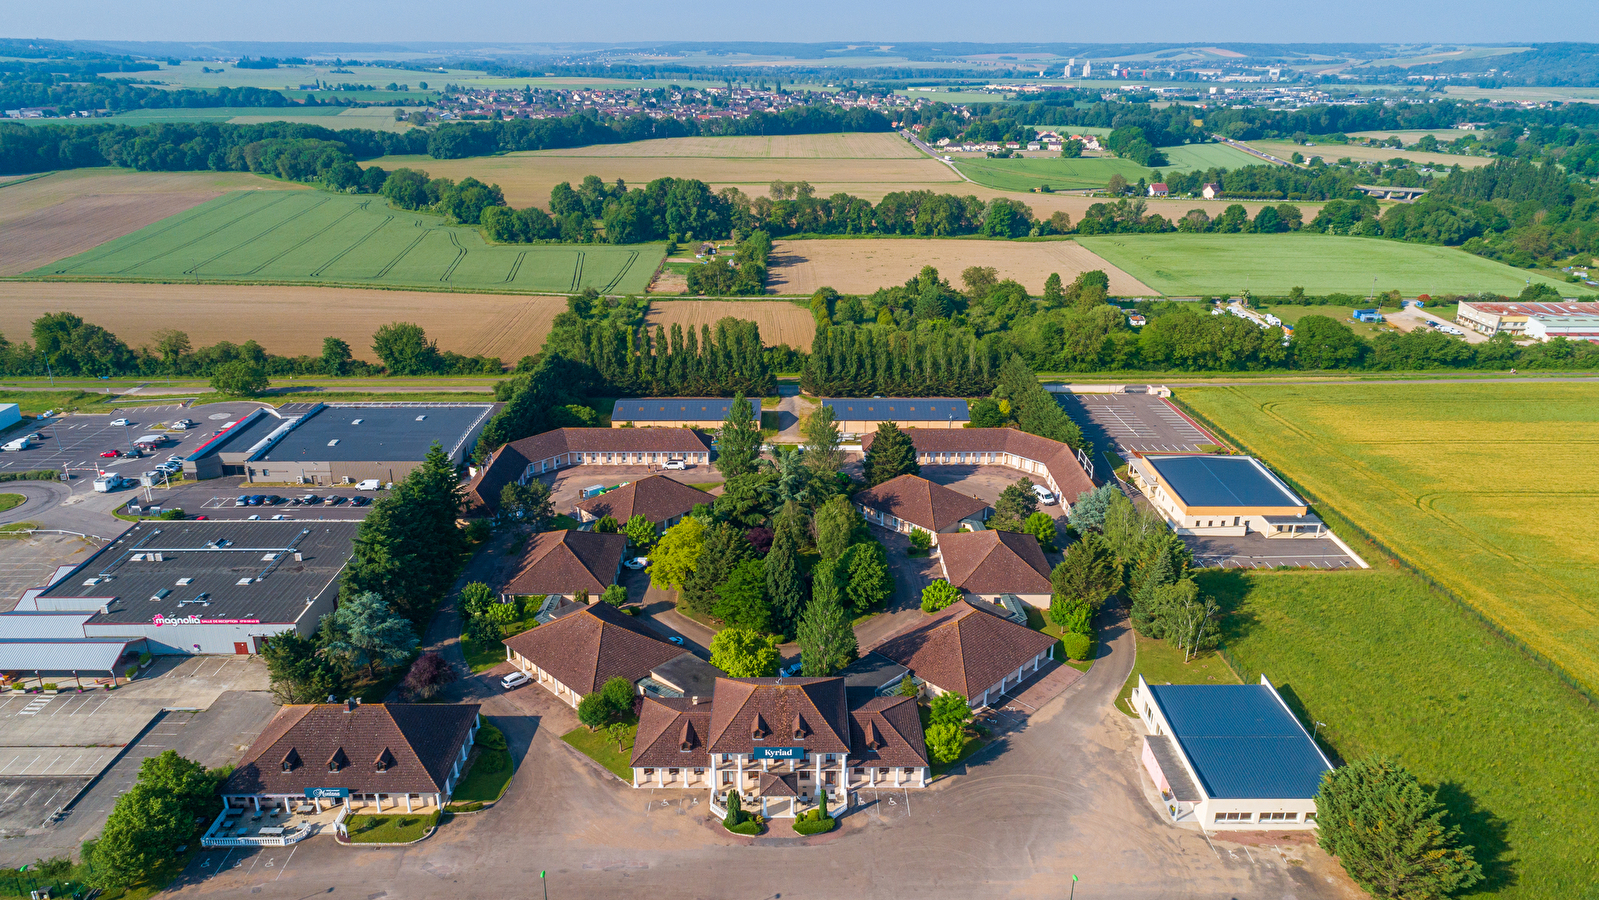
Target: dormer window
x=686, y=740
x=384, y=762
x=873, y=740
x=800, y=728
x=338, y=760
x=758, y=729
x=291, y=760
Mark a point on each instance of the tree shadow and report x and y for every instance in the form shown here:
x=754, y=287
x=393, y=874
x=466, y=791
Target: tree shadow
x=1485, y=832
x=1230, y=587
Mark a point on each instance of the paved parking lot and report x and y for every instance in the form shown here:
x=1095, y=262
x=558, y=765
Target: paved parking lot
x=27, y=804
x=1255, y=551
x=217, y=498
x=1142, y=422
x=30, y=561
x=74, y=442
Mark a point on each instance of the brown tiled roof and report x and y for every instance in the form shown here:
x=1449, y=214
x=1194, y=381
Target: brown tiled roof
x=812, y=708
x=418, y=744
x=887, y=731
x=585, y=649
x=665, y=725
x=920, y=502
x=563, y=562
x=656, y=498
x=1058, y=458
x=509, y=462
x=964, y=649
x=995, y=562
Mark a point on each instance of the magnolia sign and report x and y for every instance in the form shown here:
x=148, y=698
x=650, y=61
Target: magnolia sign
x=158, y=620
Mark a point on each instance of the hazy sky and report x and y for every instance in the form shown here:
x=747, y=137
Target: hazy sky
x=1364, y=21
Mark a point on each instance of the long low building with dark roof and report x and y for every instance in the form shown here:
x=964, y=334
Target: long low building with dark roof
x=909, y=502
x=576, y=654
x=374, y=756
x=967, y=650
x=1229, y=756
x=862, y=416
x=219, y=586
x=338, y=443
x=1229, y=496
x=705, y=413
x=780, y=743
x=520, y=461
x=1047, y=462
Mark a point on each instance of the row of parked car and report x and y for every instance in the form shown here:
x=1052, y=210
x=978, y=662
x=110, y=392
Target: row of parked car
x=305, y=500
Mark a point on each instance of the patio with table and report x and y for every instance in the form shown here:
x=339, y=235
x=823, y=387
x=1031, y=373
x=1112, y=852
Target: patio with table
x=273, y=826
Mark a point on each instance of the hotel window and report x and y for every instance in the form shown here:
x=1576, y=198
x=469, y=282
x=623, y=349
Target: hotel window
x=1279, y=817
x=1232, y=817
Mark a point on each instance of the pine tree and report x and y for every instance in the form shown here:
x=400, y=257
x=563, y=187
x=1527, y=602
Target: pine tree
x=826, y=635
x=892, y=454
x=725, y=547
x=1389, y=832
x=784, y=586
x=739, y=440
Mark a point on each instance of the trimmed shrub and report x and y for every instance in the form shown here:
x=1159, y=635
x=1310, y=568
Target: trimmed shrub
x=748, y=827
x=937, y=595
x=1077, y=646
x=492, y=738
x=813, y=823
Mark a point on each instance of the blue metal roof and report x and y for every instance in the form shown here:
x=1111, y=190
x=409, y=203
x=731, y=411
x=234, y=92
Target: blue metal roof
x=1242, y=741
x=1223, y=481
x=676, y=409
x=902, y=409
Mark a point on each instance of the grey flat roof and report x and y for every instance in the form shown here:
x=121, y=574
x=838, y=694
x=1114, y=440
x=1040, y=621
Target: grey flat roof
x=864, y=677
x=240, y=438
x=29, y=625
x=1203, y=480
x=676, y=409
x=1242, y=741
x=81, y=655
x=688, y=673
x=930, y=409
x=129, y=575
x=1182, y=787
x=401, y=433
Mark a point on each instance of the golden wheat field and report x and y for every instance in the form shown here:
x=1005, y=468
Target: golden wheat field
x=780, y=322
x=1490, y=489
x=64, y=213
x=287, y=320
x=863, y=266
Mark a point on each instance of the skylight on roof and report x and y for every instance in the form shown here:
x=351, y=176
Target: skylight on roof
x=355, y=421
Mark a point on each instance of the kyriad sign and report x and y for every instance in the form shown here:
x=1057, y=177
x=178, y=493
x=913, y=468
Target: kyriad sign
x=793, y=753
x=158, y=620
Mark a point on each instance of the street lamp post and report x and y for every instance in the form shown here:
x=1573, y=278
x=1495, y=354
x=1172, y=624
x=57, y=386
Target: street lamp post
x=1317, y=729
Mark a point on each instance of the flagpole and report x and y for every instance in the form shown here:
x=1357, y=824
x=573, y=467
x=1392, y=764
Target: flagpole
x=545, y=884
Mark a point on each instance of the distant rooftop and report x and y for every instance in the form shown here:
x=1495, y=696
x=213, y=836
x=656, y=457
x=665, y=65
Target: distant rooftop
x=1204, y=480
x=676, y=409
x=400, y=432
x=902, y=409
x=1242, y=741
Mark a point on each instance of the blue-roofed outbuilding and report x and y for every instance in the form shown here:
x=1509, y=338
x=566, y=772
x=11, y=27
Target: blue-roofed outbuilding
x=1230, y=755
x=862, y=416
x=675, y=412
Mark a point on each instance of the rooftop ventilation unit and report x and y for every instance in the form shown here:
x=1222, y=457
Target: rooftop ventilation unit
x=245, y=580
x=355, y=421
x=185, y=581
x=333, y=443
x=421, y=417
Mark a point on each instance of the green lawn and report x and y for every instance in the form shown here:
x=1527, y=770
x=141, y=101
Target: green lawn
x=1216, y=264
x=598, y=746
x=564, y=522
x=481, y=659
x=1026, y=173
x=1394, y=667
x=317, y=237
x=1161, y=663
x=1037, y=621
x=483, y=782
x=400, y=828
x=31, y=403
x=11, y=501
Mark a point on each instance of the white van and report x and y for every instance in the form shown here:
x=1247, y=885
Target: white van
x=371, y=484
x=1043, y=494
x=21, y=443
x=105, y=484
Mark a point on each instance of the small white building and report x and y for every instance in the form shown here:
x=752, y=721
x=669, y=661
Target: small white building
x=1229, y=756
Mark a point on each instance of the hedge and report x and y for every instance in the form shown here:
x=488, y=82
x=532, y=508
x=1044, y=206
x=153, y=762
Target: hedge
x=1076, y=645
x=748, y=827
x=809, y=823
x=41, y=475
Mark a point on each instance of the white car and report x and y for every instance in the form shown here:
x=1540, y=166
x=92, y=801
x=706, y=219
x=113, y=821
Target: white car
x=120, y=422
x=1043, y=495
x=676, y=465
x=514, y=680
x=638, y=562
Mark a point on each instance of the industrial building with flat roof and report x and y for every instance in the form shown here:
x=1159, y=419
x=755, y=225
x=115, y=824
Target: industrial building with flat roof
x=187, y=587
x=337, y=443
x=1224, y=496
x=1229, y=756
x=1570, y=319
x=863, y=416
x=676, y=412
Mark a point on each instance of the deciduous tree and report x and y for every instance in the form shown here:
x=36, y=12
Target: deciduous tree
x=676, y=555
x=742, y=598
x=938, y=595
x=745, y=653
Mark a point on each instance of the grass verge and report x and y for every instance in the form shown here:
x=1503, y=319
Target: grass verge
x=487, y=779
x=598, y=746
x=1161, y=663
x=11, y=501
x=1037, y=621
x=393, y=829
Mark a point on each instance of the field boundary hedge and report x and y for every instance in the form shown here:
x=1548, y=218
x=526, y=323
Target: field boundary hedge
x=1334, y=517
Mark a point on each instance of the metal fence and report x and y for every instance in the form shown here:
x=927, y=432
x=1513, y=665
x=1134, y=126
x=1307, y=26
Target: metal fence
x=1340, y=522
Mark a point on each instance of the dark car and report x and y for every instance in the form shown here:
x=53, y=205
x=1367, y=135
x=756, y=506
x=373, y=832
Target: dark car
x=294, y=501
x=273, y=499
x=335, y=500
x=361, y=501
x=257, y=499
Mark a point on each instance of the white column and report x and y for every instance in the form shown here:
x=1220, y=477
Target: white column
x=738, y=783
x=819, y=786
x=660, y=776
x=257, y=799
x=713, y=771
x=408, y=801
x=899, y=776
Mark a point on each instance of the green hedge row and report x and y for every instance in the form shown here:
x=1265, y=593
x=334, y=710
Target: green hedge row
x=41, y=475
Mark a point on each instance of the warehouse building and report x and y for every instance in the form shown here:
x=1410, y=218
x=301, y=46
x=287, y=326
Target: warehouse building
x=338, y=443
x=1229, y=756
x=1050, y=463
x=1570, y=319
x=861, y=417
x=521, y=461
x=705, y=413
x=213, y=587
x=1223, y=496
